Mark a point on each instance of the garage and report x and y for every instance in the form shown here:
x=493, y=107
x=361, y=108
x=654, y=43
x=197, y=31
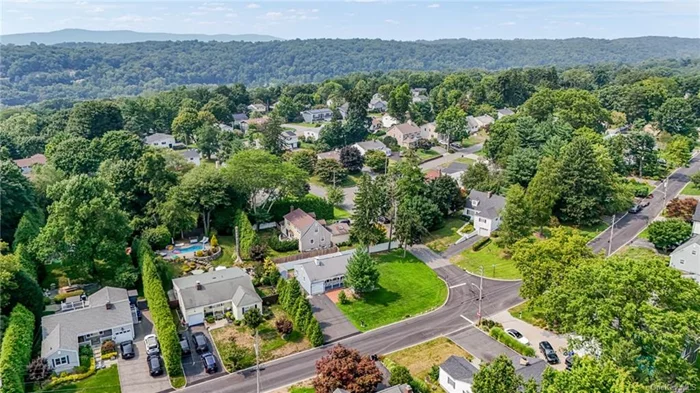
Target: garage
x=195, y=319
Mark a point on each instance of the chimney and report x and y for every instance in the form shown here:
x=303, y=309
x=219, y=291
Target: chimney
x=109, y=306
x=291, y=208
x=489, y=194
x=317, y=261
x=199, y=286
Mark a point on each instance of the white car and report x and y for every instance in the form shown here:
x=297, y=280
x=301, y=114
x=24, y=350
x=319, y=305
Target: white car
x=518, y=336
x=152, y=347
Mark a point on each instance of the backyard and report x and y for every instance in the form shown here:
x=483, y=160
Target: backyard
x=407, y=287
x=440, y=239
x=350, y=181
x=106, y=381
x=496, y=263
x=339, y=213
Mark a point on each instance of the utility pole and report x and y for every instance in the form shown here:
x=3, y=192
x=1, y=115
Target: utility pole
x=391, y=228
x=257, y=363
x=238, y=246
x=481, y=288
x=665, y=185
x=612, y=230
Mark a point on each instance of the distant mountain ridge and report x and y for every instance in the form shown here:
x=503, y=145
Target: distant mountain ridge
x=122, y=37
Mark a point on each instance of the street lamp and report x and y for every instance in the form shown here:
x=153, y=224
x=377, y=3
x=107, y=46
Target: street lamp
x=480, y=288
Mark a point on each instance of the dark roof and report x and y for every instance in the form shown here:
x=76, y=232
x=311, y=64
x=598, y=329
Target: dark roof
x=455, y=167
x=318, y=111
x=240, y=116
x=489, y=205
x=458, y=368
x=300, y=219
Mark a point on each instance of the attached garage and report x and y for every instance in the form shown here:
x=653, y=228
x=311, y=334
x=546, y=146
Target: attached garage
x=195, y=319
x=322, y=273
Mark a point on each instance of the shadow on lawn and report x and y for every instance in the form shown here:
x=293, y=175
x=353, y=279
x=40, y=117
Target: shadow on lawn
x=380, y=296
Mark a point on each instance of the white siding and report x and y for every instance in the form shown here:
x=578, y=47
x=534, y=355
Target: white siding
x=69, y=355
x=303, y=279
x=687, y=259
x=315, y=238
x=452, y=386
x=317, y=288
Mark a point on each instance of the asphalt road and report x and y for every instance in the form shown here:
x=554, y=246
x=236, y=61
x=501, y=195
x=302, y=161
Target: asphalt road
x=458, y=313
x=628, y=226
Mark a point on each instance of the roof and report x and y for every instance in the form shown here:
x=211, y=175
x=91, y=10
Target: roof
x=432, y=174
x=339, y=228
x=371, y=145
x=695, y=239
x=61, y=330
x=217, y=286
x=300, y=219
x=327, y=267
x=406, y=128
x=158, y=137
x=485, y=119
x=377, y=100
x=259, y=120
x=33, y=160
x=489, y=205
x=458, y=368
x=256, y=107
x=289, y=133
x=455, y=167
x=240, y=116
x=533, y=370
x=471, y=121
x=333, y=155
x=506, y=111
x=189, y=153
x=318, y=111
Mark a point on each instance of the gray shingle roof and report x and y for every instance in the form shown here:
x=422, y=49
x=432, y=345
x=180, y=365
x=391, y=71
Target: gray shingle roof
x=695, y=239
x=471, y=121
x=217, y=286
x=371, y=145
x=189, y=153
x=240, y=116
x=506, y=112
x=458, y=368
x=157, y=137
x=488, y=206
x=328, y=267
x=455, y=167
x=318, y=111
x=533, y=370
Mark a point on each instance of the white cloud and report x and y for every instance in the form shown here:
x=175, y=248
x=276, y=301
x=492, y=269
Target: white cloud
x=135, y=19
x=350, y=14
x=197, y=13
x=391, y=21
x=27, y=17
x=213, y=8
x=434, y=5
x=290, y=15
x=252, y=5
x=273, y=16
x=507, y=24
x=231, y=15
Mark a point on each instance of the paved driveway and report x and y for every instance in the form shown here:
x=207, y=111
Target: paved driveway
x=334, y=324
x=133, y=373
x=192, y=363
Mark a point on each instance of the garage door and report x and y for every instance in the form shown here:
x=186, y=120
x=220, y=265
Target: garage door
x=483, y=232
x=195, y=319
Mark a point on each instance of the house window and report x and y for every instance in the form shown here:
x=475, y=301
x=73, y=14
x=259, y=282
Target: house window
x=61, y=361
x=311, y=241
x=451, y=382
x=323, y=239
x=694, y=252
x=682, y=261
x=482, y=220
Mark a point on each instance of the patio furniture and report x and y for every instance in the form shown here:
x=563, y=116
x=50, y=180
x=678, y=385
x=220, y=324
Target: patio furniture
x=204, y=240
x=179, y=244
x=193, y=240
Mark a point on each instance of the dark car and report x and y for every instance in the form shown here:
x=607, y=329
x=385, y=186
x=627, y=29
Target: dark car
x=201, y=344
x=549, y=353
x=155, y=365
x=127, y=348
x=209, y=362
x=635, y=209
x=184, y=344
x=569, y=362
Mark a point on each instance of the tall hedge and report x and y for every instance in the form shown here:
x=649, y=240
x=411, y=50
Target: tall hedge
x=309, y=203
x=160, y=310
x=298, y=308
x=16, y=349
x=246, y=234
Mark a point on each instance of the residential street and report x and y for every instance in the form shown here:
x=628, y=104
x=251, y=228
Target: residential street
x=630, y=225
x=451, y=157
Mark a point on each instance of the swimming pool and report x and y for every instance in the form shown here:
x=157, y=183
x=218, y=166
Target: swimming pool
x=192, y=248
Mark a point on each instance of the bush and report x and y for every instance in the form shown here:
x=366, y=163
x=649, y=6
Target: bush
x=343, y=298
x=38, y=370
x=158, y=237
x=66, y=378
x=308, y=203
x=500, y=335
x=481, y=244
x=284, y=326
x=16, y=349
x=63, y=296
x=434, y=372
x=109, y=346
x=669, y=233
x=234, y=357
x=214, y=241
x=108, y=355
x=282, y=245
x=210, y=319
x=160, y=309
x=246, y=234
x=488, y=324
x=400, y=375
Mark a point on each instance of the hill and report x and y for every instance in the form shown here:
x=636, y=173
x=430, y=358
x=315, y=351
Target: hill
x=121, y=37
x=81, y=71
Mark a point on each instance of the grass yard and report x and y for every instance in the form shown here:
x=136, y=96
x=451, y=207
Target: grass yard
x=105, y=381
x=691, y=189
x=465, y=160
x=228, y=244
x=592, y=231
x=639, y=253
x=407, y=287
x=304, y=124
x=644, y=234
x=298, y=389
x=479, y=137
x=440, y=239
x=339, y=213
x=529, y=314
x=491, y=257
x=426, y=154
x=350, y=181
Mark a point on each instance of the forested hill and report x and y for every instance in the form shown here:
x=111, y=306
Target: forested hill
x=121, y=37
x=79, y=71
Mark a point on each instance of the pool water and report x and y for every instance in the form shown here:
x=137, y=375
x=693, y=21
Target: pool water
x=192, y=248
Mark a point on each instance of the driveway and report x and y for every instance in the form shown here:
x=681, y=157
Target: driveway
x=455, y=249
x=334, y=324
x=133, y=373
x=192, y=363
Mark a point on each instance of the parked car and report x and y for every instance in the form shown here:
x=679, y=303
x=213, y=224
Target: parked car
x=548, y=352
x=155, y=365
x=644, y=203
x=152, y=346
x=184, y=344
x=127, y=349
x=569, y=362
x=201, y=344
x=635, y=209
x=209, y=362
x=518, y=336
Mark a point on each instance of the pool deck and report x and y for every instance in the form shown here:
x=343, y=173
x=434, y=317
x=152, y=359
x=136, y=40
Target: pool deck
x=177, y=253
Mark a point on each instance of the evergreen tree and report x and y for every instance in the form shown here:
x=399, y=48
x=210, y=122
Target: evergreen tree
x=362, y=274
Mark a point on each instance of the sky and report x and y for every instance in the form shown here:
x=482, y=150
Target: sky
x=385, y=19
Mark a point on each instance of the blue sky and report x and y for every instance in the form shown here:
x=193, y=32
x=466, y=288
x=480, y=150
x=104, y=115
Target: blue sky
x=399, y=20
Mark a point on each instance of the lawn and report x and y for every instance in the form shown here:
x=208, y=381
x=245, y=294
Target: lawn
x=440, y=239
x=304, y=124
x=528, y=313
x=644, y=234
x=465, y=160
x=339, y=213
x=298, y=389
x=426, y=154
x=591, y=231
x=420, y=359
x=691, y=189
x=407, y=287
x=228, y=244
x=105, y=381
x=479, y=137
x=492, y=258
x=639, y=253
x=350, y=181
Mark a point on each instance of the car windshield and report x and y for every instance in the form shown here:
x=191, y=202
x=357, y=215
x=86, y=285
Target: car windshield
x=516, y=333
x=127, y=347
x=200, y=340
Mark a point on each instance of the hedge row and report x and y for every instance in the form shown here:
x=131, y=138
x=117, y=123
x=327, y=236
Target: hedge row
x=16, y=349
x=282, y=245
x=246, y=234
x=481, y=243
x=63, y=296
x=160, y=310
x=500, y=335
x=66, y=378
x=298, y=308
x=309, y=203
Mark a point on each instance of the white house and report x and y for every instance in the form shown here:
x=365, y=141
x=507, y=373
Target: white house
x=216, y=291
x=457, y=375
x=406, y=134
x=191, y=155
x=484, y=209
x=428, y=131
x=323, y=273
x=260, y=108
x=289, y=140
x=104, y=315
x=26, y=164
x=160, y=140
x=312, y=133
x=366, y=146
x=505, y=112
x=317, y=115
x=310, y=233
x=476, y=123
x=686, y=257
x=388, y=120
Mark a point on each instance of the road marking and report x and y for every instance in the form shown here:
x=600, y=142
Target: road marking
x=467, y=319
x=458, y=285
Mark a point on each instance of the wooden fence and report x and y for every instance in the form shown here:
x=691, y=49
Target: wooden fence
x=307, y=254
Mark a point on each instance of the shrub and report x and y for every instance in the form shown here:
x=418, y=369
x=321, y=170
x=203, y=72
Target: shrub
x=434, y=372
x=108, y=355
x=246, y=234
x=481, y=244
x=314, y=333
x=308, y=203
x=284, y=326
x=400, y=375
x=214, y=241
x=160, y=309
x=63, y=296
x=282, y=245
x=500, y=335
x=253, y=318
x=66, y=378
x=38, y=370
x=669, y=233
x=158, y=237
x=234, y=357
x=199, y=253
x=343, y=298
x=108, y=346
x=488, y=324
x=210, y=319
x=258, y=252
x=16, y=349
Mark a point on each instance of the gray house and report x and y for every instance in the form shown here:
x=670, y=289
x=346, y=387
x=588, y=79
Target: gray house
x=323, y=273
x=484, y=209
x=457, y=374
x=686, y=257
x=310, y=233
x=317, y=115
x=104, y=315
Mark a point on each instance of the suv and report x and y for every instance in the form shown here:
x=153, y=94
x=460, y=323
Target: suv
x=155, y=365
x=209, y=362
x=127, y=348
x=635, y=209
x=152, y=347
x=548, y=352
x=201, y=344
x=184, y=344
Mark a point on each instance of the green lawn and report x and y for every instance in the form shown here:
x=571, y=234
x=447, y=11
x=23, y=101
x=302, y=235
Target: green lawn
x=440, y=239
x=339, y=213
x=644, y=234
x=528, y=314
x=465, y=160
x=104, y=381
x=350, y=181
x=491, y=258
x=294, y=389
x=690, y=189
x=426, y=154
x=407, y=287
x=307, y=146
x=228, y=244
x=639, y=253
x=304, y=124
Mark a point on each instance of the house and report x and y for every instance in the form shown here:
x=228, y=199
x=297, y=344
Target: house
x=428, y=131
x=215, y=292
x=340, y=232
x=455, y=170
x=225, y=127
x=160, y=140
x=388, y=120
x=419, y=91
x=260, y=108
x=312, y=133
x=191, y=155
x=406, y=134
x=366, y=146
x=476, y=123
x=404, y=388
x=104, y=315
x=456, y=374
x=376, y=104
x=311, y=234
x=26, y=164
x=317, y=115
x=332, y=155
x=419, y=98
x=323, y=273
x=238, y=118
x=686, y=257
x=484, y=209
x=375, y=125
x=505, y=112
x=343, y=109
x=289, y=139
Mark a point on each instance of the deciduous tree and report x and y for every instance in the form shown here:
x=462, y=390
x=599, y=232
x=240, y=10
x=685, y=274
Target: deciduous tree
x=92, y=119
x=376, y=161
x=303, y=159
x=399, y=101
x=678, y=151
x=345, y=368
x=452, y=124
x=335, y=195
x=330, y=171
x=543, y=191
x=351, y=159
x=669, y=233
x=497, y=376
x=676, y=116
x=203, y=189
x=677, y=208
x=516, y=219
x=17, y=197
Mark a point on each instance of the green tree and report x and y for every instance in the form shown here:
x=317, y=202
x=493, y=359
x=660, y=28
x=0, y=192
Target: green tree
x=28, y=227
x=333, y=135
x=74, y=155
x=642, y=152
x=516, y=219
x=543, y=191
x=368, y=207
x=428, y=212
x=17, y=197
x=452, y=124
x=669, y=233
x=253, y=318
x=288, y=109
x=591, y=375
x=207, y=137
x=676, y=116
x=304, y=159
x=16, y=350
x=184, y=125
x=446, y=194
x=400, y=375
x=376, y=160
x=335, y=196
x=351, y=159
x=678, y=151
x=522, y=166
x=408, y=227
x=203, y=189
x=399, y=101
x=92, y=119
x=362, y=274
x=497, y=376
x=271, y=135
x=330, y=171
x=121, y=145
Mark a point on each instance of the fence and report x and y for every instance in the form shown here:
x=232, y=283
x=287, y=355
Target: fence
x=307, y=254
